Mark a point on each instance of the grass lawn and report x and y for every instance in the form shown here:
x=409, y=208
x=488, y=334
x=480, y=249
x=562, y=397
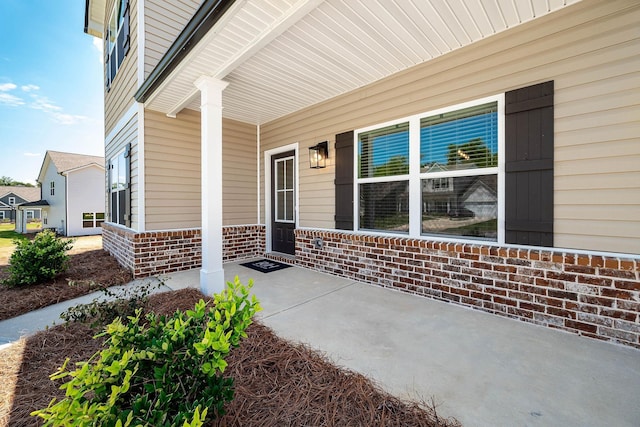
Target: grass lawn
x=7, y=234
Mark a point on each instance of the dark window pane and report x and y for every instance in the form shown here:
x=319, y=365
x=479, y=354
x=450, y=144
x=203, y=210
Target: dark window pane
x=121, y=206
x=462, y=206
x=384, y=152
x=462, y=139
x=100, y=215
x=385, y=206
x=87, y=224
x=87, y=216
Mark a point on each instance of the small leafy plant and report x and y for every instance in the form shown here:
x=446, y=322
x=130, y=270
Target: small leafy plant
x=102, y=311
x=166, y=371
x=38, y=260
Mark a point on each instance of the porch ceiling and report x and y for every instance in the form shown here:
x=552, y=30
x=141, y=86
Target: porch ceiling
x=280, y=56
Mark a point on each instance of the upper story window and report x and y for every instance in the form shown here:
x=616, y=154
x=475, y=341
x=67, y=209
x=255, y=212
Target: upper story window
x=117, y=41
x=52, y=188
x=432, y=174
x=12, y=201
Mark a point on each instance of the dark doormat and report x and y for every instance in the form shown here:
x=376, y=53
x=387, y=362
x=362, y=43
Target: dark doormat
x=265, y=265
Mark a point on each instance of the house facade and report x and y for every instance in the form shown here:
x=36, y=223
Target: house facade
x=483, y=153
x=12, y=196
x=72, y=193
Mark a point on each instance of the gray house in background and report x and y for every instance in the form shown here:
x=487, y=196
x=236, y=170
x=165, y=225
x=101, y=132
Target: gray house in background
x=12, y=196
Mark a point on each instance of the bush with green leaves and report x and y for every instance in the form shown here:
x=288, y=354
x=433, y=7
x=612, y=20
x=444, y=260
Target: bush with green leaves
x=164, y=371
x=38, y=260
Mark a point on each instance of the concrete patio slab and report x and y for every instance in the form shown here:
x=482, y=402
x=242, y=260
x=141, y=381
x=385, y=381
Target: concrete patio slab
x=482, y=369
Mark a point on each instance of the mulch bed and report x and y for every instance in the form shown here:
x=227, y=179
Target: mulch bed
x=88, y=271
x=277, y=383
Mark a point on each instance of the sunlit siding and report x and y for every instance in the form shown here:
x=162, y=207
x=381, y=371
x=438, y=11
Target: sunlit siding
x=120, y=96
x=592, y=52
x=172, y=158
x=127, y=134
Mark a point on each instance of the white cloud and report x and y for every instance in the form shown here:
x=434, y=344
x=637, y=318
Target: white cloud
x=29, y=88
x=32, y=154
x=5, y=87
x=10, y=100
x=99, y=45
x=54, y=111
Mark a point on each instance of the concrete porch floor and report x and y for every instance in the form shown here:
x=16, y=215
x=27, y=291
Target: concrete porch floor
x=482, y=369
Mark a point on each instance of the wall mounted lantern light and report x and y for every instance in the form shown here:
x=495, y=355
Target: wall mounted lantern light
x=318, y=155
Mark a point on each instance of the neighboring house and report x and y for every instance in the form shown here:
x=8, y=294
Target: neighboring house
x=72, y=194
x=217, y=114
x=12, y=196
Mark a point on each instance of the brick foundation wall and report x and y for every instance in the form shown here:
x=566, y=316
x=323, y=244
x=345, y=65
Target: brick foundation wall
x=243, y=242
x=157, y=252
x=591, y=295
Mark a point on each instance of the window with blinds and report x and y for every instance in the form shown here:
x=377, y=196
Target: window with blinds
x=455, y=178
x=461, y=139
x=384, y=152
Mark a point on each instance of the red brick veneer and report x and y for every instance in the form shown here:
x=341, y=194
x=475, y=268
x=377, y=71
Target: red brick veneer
x=156, y=252
x=591, y=295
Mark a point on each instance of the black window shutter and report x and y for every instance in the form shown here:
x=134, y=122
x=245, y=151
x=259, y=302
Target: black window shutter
x=344, y=181
x=127, y=190
x=125, y=31
x=529, y=165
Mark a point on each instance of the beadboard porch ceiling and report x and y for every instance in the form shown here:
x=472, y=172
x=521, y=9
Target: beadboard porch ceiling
x=280, y=56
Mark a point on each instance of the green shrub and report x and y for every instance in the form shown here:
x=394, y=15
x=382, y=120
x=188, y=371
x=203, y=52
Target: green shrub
x=167, y=371
x=38, y=260
x=101, y=311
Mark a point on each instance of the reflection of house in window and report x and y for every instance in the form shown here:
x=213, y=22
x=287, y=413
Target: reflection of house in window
x=480, y=197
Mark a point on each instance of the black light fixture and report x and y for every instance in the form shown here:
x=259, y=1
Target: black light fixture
x=318, y=155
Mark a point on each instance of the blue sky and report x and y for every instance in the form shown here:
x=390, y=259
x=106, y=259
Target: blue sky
x=50, y=85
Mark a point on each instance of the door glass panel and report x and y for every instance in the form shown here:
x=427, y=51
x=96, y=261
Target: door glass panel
x=289, y=174
x=284, y=196
x=280, y=173
x=289, y=205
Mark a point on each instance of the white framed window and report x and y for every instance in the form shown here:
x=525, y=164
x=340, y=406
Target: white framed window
x=92, y=219
x=52, y=188
x=29, y=214
x=119, y=188
x=117, y=39
x=12, y=201
x=438, y=173
x=1, y=214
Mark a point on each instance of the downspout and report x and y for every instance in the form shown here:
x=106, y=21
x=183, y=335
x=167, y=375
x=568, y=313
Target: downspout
x=65, y=227
x=258, y=169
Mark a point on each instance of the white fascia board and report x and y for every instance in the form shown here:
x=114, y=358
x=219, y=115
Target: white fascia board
x=295, y=13
x=90, y=165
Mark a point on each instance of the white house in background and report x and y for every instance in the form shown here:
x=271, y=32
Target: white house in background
x=72, y=193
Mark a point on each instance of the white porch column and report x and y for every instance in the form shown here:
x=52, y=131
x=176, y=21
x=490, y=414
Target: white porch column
x=212, y=273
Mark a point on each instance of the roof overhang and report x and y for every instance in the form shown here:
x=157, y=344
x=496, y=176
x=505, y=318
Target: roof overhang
x=79, y=168
x=36, y=204
x=296, y=53
x=94, y=11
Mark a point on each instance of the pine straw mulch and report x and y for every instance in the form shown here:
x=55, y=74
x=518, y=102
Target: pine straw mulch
x=277, y=383
x=88, y=271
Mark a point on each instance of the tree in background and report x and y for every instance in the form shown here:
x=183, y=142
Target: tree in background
x=10, y=182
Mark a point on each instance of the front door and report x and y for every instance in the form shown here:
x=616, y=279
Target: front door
x=283, y=209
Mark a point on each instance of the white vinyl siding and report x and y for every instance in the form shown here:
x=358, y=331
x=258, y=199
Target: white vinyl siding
x=126, y=135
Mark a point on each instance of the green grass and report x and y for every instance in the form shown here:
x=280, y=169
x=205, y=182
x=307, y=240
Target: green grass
x=7, y=234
